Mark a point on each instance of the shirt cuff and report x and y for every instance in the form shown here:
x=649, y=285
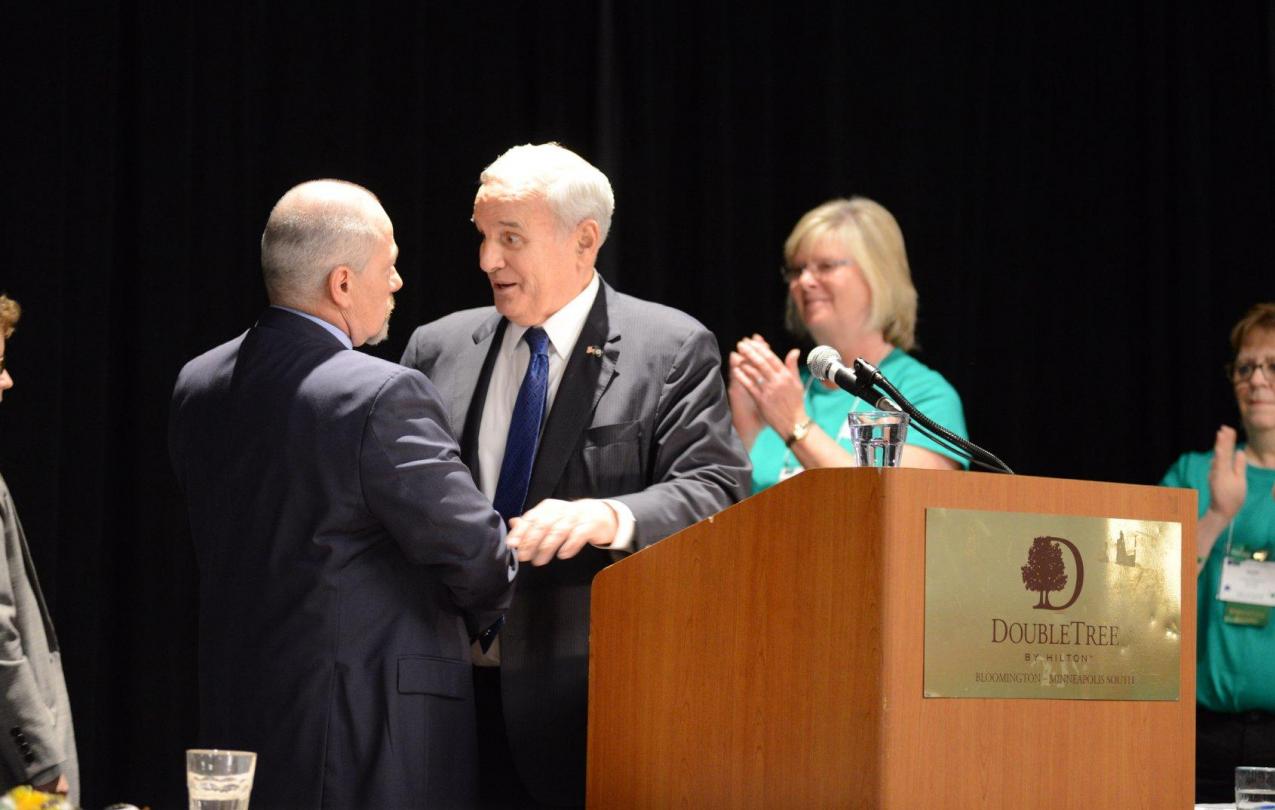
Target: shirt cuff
x=46, y=776
x=623, y=540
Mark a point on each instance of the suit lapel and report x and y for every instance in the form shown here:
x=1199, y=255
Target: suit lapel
x=493, y=331
x=583, y=381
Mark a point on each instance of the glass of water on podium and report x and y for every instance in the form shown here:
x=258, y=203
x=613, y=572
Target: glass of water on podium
x=219, y=780
x=877, y=437
x=1254, y=788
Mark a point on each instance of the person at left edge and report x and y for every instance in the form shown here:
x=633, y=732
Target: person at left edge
x=346, y=559
x=37, y=740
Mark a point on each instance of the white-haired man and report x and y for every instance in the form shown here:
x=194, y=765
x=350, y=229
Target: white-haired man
x=346, y=558
x=598, y=424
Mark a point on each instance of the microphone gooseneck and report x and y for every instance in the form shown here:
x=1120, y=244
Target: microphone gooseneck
x=864, y=380
x=871, y=377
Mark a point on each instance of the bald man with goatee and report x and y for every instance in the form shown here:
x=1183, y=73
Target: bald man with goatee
x=346, y=558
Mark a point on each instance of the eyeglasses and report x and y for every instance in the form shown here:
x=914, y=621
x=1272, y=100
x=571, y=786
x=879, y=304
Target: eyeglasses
x=1243, y=372
x=820, y=269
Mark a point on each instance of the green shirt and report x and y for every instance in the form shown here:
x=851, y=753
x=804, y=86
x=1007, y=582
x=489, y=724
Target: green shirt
x=1234, y=664
x=924, y=387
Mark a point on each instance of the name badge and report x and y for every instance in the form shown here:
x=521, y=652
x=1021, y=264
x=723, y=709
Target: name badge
x=1250, y=582
x=788, y=472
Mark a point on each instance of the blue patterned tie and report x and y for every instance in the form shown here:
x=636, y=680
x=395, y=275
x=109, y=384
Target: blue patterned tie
x=524, y=428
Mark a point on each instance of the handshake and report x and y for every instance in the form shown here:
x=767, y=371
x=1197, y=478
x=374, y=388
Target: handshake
x=556, y=529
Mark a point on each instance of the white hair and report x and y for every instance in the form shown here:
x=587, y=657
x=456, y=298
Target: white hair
x=315, y=227
x=574, y=188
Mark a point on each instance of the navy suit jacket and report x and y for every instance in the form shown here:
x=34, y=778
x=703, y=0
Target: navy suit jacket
x=646, y=423
x=345, y=561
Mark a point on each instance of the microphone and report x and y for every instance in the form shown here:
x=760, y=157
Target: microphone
x=825, y=363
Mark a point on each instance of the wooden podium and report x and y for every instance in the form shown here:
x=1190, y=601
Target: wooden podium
x=773, y=656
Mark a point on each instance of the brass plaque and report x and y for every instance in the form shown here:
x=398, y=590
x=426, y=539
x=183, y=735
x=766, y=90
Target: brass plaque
x=1051, y=606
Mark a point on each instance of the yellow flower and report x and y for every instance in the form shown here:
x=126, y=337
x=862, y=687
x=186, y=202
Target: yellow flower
x=25, y=797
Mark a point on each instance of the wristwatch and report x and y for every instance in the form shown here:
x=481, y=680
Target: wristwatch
x=799, y=432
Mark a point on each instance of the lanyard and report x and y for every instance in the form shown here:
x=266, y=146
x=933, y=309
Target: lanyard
x=1259, y=555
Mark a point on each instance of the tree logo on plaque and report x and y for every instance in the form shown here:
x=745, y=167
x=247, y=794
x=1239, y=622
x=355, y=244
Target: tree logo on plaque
x=1046, y=572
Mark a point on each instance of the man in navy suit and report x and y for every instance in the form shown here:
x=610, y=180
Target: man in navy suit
x=630, y=441
x=346, y=559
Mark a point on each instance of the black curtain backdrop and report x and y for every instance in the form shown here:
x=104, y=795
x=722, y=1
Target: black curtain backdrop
x=1087, y=192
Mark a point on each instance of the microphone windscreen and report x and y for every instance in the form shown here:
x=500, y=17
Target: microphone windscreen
x=821, y=359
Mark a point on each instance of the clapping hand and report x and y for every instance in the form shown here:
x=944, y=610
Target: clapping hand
x=1228, y=482
x=773, y=385
x=744, y=413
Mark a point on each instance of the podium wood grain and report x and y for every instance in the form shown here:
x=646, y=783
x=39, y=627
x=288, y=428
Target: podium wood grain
x=772, y=656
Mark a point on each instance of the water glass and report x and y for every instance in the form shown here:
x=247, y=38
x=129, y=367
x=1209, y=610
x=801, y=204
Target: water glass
x=219, y=780
x=877, y=437
x=1254, y=788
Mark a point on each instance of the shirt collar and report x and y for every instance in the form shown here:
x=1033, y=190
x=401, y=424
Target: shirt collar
x=564, y=326
x=331, y=327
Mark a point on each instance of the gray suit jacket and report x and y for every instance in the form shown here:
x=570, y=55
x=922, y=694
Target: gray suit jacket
x=37, y=740
x=646, y=423
x=345, y=561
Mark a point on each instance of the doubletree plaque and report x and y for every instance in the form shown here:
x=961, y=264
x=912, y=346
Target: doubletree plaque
x=1051, y=606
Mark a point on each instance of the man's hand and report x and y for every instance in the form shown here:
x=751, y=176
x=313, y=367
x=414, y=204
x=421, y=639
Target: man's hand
x=559, y=529
x=59, y=786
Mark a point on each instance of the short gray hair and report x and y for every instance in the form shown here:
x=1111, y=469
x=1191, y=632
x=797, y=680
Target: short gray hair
x=574, y=188
x=315, y=227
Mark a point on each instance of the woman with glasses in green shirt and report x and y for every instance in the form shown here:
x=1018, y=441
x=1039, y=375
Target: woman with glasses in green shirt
x=849, y=287
x=1235, y=649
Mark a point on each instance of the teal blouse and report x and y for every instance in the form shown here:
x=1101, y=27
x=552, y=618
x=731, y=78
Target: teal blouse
x=1234, y=664
x=923, y=386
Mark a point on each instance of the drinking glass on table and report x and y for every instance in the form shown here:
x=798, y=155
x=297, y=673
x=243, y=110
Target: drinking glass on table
x=877, y=437
x=219, y=780
x=1254, y=788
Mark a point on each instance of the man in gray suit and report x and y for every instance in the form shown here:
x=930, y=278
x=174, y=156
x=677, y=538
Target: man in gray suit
x=38, y=746
x=346, y=559
x=602, y=416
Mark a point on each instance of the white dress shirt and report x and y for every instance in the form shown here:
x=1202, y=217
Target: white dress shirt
x=563, y=328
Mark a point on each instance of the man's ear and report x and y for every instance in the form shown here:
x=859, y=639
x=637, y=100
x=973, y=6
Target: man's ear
x=587, y=235
x=339, y=279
